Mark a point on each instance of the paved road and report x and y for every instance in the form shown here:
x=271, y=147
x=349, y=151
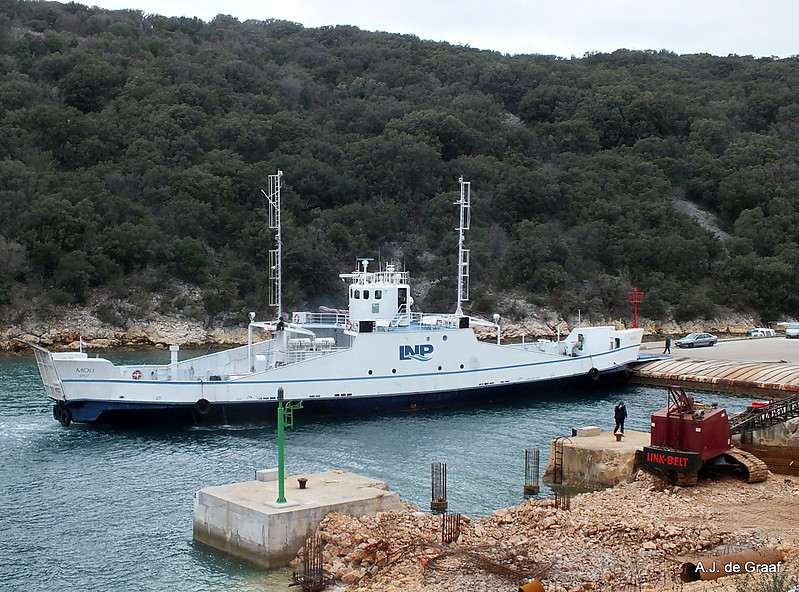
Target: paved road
x=764, y=349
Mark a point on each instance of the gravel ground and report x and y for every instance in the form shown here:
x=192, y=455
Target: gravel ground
x=634, y=536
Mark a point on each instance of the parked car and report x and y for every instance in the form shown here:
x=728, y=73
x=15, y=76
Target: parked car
x=792, y=330
x=697, y=340
x=761, y=332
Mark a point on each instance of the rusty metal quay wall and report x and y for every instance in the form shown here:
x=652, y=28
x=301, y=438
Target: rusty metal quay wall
x=772, y=379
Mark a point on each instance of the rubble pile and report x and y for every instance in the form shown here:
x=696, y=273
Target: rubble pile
x=634, y=535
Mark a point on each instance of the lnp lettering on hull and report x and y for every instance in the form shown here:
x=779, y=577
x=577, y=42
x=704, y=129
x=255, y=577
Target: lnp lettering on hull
x=420, y=353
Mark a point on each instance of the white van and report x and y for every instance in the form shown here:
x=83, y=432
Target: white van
x=763, y=332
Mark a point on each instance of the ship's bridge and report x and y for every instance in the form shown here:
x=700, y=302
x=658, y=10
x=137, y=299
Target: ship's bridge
x=379, y=295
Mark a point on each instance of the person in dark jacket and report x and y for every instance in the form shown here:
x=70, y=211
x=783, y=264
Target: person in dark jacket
x=620, y=413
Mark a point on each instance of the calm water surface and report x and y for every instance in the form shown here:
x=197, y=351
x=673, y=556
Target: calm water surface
x=99, y=508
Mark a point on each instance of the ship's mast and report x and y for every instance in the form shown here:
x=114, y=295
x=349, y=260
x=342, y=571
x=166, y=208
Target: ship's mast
x=276, y=254
x=463, y=254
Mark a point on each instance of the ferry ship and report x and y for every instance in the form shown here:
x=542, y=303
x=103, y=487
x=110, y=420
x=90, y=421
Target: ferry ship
x=377, y=355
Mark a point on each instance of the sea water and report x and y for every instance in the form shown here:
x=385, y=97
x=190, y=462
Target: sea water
x=99, y=508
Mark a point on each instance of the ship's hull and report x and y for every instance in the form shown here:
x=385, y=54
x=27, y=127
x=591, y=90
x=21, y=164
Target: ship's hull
x=155, y=413
x=380, y=372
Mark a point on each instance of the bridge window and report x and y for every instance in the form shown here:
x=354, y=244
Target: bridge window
x=357, y=294
x=366, y=294
x=378, y=294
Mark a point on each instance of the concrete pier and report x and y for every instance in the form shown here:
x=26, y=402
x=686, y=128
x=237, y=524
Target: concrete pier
x=243, y=519
x=595, y=461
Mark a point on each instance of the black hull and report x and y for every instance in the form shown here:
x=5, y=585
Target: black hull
x=265, y=411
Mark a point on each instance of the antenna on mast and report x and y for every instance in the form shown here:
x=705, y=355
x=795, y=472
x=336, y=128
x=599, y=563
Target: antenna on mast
x=276, y=254
x=463, y=254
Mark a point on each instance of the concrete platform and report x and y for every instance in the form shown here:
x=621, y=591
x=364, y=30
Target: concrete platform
x=243, y=519
x=596, y=462
x=777, y=350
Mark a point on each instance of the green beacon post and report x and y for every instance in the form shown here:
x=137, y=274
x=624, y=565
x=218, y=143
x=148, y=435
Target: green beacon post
x=285, y=419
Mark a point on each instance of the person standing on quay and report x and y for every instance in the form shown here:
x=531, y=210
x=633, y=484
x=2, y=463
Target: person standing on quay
x=667, y=348
x=620, y=413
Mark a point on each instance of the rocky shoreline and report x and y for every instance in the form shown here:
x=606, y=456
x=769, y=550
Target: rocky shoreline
x=63, y=333
x=634, y=536
x=152, y=334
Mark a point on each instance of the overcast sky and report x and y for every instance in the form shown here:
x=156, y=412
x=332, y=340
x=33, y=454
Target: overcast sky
x=564, y=28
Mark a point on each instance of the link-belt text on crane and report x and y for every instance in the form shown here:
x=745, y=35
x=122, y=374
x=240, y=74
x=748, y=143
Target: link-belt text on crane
x=420, y=353
x=666, y=459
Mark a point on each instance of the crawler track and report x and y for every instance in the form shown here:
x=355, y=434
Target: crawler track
x=756, y=469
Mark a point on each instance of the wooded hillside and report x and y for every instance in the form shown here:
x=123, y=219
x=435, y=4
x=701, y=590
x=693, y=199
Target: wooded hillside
x=134, y=147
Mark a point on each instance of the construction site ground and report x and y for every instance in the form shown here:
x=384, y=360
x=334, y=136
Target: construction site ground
x=634, y=536
x=631, y=537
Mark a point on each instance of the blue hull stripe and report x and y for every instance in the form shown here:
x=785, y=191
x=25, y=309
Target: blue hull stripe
x=353, y=378
x=264, y=410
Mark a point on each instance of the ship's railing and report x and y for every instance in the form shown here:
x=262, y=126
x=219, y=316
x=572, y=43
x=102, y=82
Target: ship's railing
x=371, y=278
x=439, y=321
x=235, y=363
x=417, y=322
x=400, y=321
x=321, y=318
x=225, y=363
x=546, y=346
x=296, y=356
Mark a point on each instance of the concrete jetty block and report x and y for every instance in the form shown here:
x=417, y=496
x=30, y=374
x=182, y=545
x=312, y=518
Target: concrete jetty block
x=266, y=475
x=244, y=520
x=596, y=462
x=588, y=431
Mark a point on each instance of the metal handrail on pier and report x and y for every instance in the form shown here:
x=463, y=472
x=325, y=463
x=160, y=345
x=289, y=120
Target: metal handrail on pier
x=758, y=418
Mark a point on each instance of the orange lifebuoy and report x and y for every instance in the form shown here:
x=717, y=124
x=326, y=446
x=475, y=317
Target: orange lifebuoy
x=136, y=375
x=296, y=318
